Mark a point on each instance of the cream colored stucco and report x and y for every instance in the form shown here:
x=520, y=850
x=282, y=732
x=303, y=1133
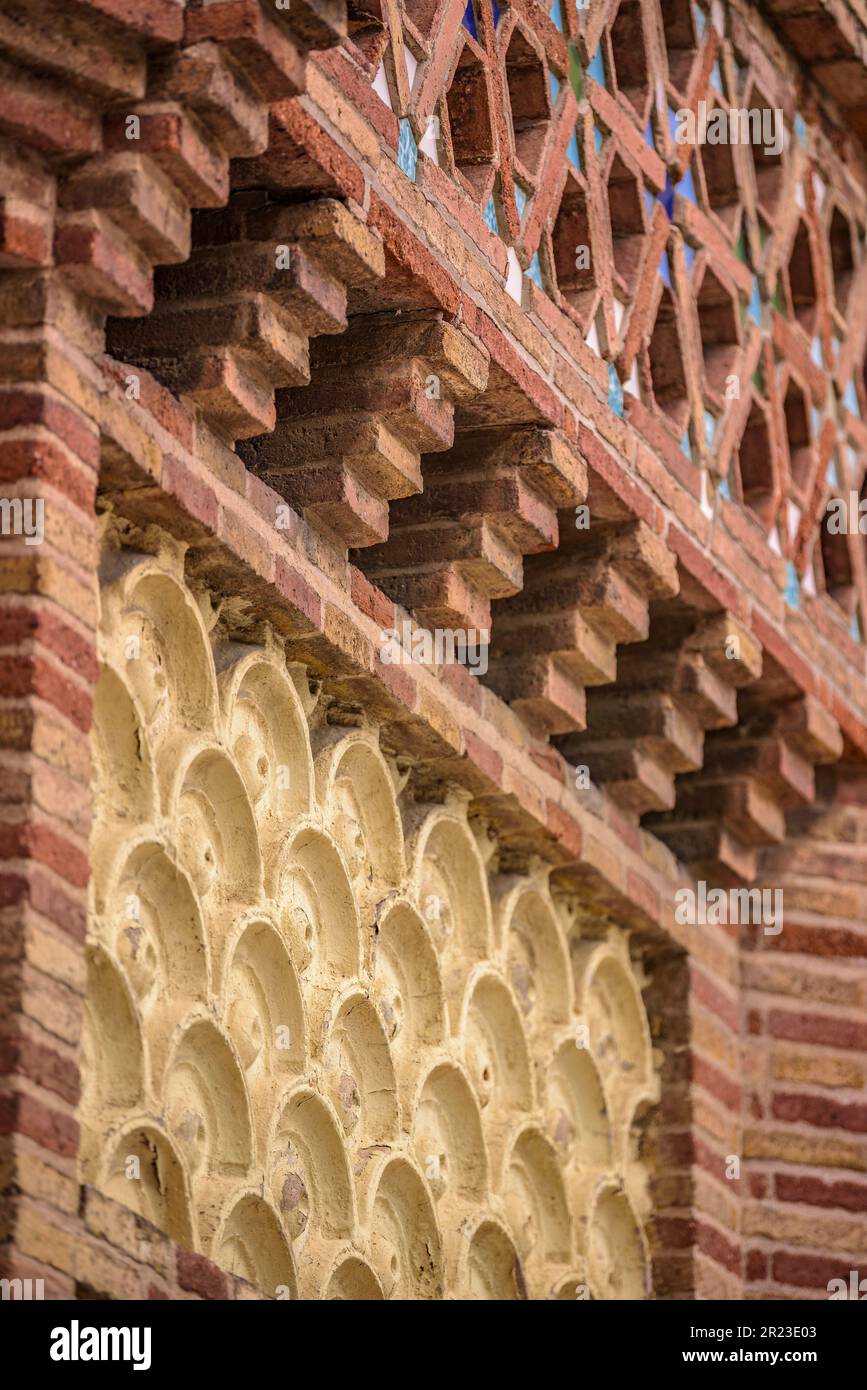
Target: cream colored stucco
x=343, y=1054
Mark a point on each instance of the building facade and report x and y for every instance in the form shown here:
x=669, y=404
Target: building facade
x=433, y=704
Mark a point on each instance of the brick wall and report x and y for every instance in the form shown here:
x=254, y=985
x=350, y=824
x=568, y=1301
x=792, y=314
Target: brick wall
x=157, y=368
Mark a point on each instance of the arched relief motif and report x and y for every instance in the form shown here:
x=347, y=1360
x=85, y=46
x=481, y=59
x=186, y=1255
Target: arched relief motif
x=323, y=1045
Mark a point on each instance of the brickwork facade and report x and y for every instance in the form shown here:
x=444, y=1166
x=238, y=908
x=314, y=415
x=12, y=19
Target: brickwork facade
x=324, y=323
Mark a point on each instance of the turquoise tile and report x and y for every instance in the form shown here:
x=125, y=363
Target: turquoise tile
x=615, y=390
x=793, y=587
x=407, y=150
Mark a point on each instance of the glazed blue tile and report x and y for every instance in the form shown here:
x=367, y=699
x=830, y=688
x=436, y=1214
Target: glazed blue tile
x=687, y=185
x=573, y=154
x=407, y=150
x=557, y=15
x=615, y=390
x=793, y=588
x=469, y=20
x=535, y=271
x=490, y=216
x=666, y=197
x=596, y=69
